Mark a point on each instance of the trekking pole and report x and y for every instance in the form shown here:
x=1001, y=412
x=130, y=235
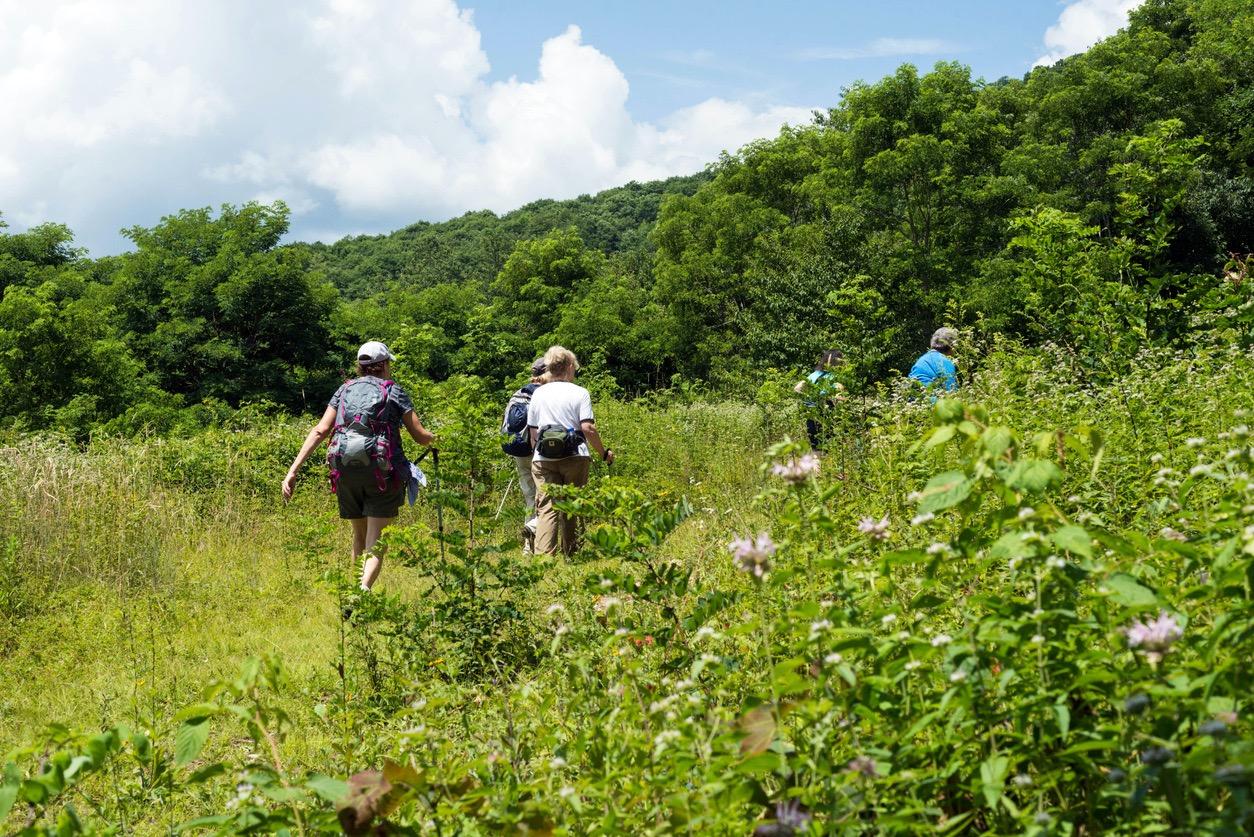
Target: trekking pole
x=501, y=507
x=439, y=503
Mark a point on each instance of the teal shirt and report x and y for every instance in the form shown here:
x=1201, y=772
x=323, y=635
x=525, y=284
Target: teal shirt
x=818, y=379
x=935, y=365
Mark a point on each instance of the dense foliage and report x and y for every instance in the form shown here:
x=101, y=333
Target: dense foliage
x=1091, y=204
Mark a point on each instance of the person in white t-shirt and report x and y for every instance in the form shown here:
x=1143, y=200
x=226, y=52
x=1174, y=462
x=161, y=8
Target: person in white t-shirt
x=562, y=429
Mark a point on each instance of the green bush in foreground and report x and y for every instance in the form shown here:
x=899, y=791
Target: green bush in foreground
x=972, y=627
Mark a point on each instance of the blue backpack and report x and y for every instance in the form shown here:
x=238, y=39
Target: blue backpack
x=516, y=439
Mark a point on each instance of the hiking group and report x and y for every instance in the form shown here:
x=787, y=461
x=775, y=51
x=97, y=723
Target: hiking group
x=548, y=429
x=550, y=432
x=934, y=369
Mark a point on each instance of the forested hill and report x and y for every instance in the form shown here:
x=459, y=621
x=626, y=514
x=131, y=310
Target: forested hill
x=1102, y=204
x=474, y=247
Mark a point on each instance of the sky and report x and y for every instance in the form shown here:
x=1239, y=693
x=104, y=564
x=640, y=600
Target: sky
x=368, y=115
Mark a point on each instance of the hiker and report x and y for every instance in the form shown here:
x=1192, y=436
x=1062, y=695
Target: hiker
x=519, y=446
x=935, y=364
x=824, y=389
x=562, y=429
x=369, y=472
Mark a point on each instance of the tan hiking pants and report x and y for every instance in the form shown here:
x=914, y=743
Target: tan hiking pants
x=554, y=525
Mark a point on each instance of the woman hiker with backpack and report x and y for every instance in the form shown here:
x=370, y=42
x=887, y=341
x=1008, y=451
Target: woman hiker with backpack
x=518, y=445
x=369, y=472
x=562, y=430
x=821, y=389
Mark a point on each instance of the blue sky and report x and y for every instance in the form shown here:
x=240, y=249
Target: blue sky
x=679, y=52
x=367, y=115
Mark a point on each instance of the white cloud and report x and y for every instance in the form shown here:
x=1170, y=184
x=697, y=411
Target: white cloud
x=880, y=48
x=360, y=114
x=1082, y=24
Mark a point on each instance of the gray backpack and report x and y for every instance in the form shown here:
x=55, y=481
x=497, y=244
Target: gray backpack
x=362, y=437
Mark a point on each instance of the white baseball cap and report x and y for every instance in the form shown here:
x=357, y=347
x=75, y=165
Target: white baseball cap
x=374, y=352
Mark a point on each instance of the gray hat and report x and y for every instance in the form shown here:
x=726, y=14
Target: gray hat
x=538, y=367
x=374, y=352
x=944, y=338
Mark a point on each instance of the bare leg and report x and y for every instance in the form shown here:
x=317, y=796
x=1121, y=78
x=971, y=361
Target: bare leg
x=374, y=527
x=359, y=537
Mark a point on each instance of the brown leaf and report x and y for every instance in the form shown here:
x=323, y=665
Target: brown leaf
x=758, y=725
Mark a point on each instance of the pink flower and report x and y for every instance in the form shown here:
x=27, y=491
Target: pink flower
x=753, y=555
x=862, y=765
x=1154, y=639
x=797, y=470
x=875, y=529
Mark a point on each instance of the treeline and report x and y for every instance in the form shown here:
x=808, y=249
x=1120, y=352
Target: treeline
x=1093, y=204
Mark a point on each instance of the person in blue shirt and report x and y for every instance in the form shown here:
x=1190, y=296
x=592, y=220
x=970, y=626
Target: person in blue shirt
x=935, y=369
x=823, y=389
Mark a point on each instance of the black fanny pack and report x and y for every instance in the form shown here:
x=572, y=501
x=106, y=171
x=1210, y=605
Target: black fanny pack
x=557, y=442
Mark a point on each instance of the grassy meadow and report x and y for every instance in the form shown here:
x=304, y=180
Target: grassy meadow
x=648, y=686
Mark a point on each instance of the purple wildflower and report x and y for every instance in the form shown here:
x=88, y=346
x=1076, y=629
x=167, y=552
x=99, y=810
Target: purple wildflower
x=862, y=765
x=753, y=555
x=874, y=529
x=1154, y=639
x=797, y=469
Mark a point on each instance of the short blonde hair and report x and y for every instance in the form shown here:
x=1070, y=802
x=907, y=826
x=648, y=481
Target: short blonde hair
x=559, y=360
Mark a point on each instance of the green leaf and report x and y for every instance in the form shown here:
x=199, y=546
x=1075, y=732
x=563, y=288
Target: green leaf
x=940, y=436
x=1127, y=591
x=330, y=789
x=996, y=441
x=197, y=711
x=189, y=740
x=993, y=778
x=1033, y=476
x=944, y=490
x=8, y=791
x=1073, y=539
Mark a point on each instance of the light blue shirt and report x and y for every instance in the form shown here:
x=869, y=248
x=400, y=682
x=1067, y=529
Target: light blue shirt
x=932, y=366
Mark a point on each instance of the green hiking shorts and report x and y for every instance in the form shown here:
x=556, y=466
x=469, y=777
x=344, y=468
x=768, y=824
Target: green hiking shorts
x=359, y=495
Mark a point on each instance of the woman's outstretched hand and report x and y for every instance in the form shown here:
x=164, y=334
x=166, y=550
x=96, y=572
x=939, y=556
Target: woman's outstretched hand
x=289, y=485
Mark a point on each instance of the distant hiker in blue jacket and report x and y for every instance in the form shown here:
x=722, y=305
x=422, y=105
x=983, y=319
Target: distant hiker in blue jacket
x=935, y=369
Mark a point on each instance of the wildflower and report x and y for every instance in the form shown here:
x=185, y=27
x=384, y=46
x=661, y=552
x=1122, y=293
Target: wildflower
x=1037, y=639
x=797, y=469
x=941, y=639
x=557, y=763
x=1227, y=717
x=1154, y=639
x=753, y=556
x=958, y=676
x=912, y=665
x=1167, y=533
x=1156, y=458
x=1037, y=613
x=920, y=519
x=1199, y=470
x=665, y=737
x=555, y=608
x=621, y=632
x=938, y=548
x=705, y=632
x=876, y=530
x=832, y=659
x=1022, y=780
x=789, y=817
x=888, y=619
x=1195, y=441
x=1055, y=563
x=566, y=792
x=607, y=583
x=863, y=765
x=817, y=628
x=604, y=604
x=1026, y=512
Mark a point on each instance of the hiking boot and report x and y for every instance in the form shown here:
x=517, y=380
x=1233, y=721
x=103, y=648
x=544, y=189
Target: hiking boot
x=528, y=541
